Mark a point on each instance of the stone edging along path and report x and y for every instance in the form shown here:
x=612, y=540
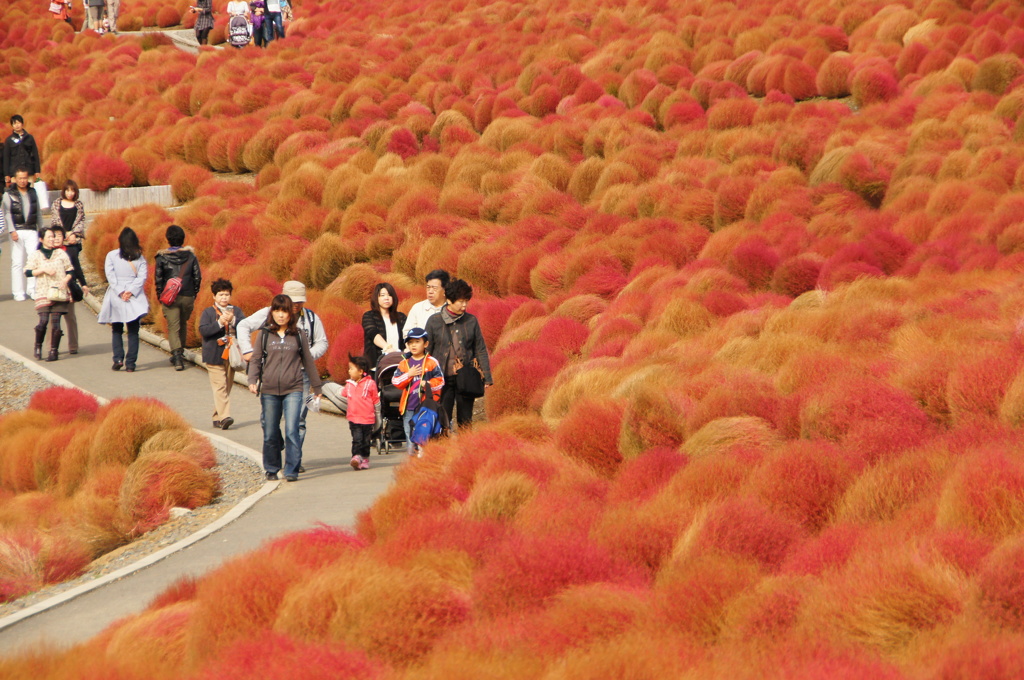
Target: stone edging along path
x=222, y=444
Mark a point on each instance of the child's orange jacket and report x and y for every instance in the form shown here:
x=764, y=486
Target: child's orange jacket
x=407, y=383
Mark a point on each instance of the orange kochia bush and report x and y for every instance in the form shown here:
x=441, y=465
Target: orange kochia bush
x=78, y=480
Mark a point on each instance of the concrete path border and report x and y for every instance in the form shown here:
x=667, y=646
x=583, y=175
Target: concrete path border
x=222, y=444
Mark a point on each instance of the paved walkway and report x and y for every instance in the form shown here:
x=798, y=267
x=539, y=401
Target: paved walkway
x=329, y=492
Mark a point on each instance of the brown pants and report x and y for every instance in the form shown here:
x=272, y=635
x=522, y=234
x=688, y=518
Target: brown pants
x=221, y=379
x=177, y=314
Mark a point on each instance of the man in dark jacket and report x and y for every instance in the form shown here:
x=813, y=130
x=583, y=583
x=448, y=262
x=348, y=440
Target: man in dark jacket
x=20, y=151
x=178, y=261
x=453, y=333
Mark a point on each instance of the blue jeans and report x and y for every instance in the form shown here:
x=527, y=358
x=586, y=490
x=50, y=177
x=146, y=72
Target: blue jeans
x=117, y=342
x=274, y=23
x=407, y=424
x=274, y=406
x=302, y=421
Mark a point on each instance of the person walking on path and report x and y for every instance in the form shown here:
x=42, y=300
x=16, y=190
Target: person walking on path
x=20, y=151
x=277, y=373
x=456, y=341
x=177, y=267
x=113, y=10
x=77, y=287
x=124, y=303
x=383, y=324
x=94, y=15
x=363, y=401
x=217, y=326
x=424, y=309
x=23, y=217
x=307, y=321
x=52, y=269
x=416, y=367
x=274, y=22
x=204, y=22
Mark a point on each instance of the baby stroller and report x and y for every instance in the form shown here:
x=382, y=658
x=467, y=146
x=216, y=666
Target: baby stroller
x=391, y=433
x=238, y=31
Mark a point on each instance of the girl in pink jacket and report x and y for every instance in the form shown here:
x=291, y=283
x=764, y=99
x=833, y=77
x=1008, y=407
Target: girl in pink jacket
x=363, y=401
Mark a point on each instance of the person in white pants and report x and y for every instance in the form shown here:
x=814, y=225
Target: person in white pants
x=23, y=211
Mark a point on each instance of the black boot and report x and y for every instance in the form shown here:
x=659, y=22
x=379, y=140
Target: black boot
x=40, y=336
x=54, y=345
x=178, y=359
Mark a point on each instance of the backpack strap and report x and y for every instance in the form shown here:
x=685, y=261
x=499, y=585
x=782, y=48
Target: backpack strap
x=263, y=360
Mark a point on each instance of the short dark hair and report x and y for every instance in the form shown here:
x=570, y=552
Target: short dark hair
x=360, y=362
x=457, y=289
x=439, y=274
x=53, y=229
x=375, y=306
x=220, y=285
x=282, y=303
x=16, y=118
x=70, y=184
x=21, y=168
x=175, y=236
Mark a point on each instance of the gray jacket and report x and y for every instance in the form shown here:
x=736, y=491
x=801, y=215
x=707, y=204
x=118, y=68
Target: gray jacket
x=288, y=358
x=442, y=330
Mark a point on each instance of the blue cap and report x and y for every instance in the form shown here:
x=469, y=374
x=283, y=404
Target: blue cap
x=415, y=334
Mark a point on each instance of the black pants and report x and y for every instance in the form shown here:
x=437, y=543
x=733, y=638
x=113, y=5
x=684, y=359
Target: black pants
x=360, y=439
x=453, y=402
x=202, y=35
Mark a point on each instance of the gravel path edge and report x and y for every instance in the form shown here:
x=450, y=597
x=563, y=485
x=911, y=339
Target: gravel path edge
x=222, y=444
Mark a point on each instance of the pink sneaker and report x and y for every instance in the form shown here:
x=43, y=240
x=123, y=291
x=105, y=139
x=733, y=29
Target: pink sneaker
x=365, y=465
x=356, y=462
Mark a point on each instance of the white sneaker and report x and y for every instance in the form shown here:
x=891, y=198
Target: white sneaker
x=20, y=298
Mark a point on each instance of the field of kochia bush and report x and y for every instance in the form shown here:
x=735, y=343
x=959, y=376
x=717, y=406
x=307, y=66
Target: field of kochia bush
x=750, y=273
x=78, y=480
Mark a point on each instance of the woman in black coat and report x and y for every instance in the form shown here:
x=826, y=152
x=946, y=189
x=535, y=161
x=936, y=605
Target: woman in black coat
x=383, y=325
x=216, y=324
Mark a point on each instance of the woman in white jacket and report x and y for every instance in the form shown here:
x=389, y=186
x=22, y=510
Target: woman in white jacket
x=125, y=303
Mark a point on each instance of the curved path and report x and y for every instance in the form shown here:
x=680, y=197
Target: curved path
x=330, y=491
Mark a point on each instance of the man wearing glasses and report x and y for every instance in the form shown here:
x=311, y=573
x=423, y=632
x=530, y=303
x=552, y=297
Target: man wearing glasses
x=421, y=311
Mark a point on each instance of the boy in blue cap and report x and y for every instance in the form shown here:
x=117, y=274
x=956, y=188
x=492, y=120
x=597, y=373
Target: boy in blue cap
x=416, y=367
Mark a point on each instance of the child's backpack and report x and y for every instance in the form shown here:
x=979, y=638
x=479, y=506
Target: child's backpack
x=425, y=426
x=430, y=420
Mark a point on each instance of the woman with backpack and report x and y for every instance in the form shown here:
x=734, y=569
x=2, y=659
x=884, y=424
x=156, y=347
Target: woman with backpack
x=178, y=280
x=280, y=360
x=125, y=303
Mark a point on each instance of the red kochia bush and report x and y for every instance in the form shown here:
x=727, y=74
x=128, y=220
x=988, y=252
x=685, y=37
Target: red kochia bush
x=1000, y=588
x=743, y=527
x=873, y=416
x=64, y=403
x=590, y=434
x=640, y=478
x=754, y=261
x=100, y=172
x=520, y=372
x=796, y=275
x=272, y=655
x=525, y=571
